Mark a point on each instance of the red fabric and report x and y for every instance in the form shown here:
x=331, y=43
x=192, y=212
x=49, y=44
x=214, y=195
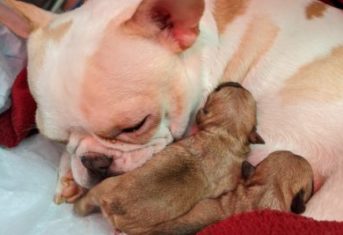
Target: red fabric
x=17, y=122
x=272, y=222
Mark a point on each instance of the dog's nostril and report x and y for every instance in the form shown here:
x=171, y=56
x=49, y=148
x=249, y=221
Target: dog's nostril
x=97, y=164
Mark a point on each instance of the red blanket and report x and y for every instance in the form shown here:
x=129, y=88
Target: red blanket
x=17, y=122
x=272, y=222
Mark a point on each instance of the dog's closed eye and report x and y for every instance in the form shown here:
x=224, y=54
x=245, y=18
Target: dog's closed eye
x=136, y=127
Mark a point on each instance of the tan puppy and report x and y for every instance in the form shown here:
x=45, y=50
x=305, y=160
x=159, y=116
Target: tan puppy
x=202, y=166
x=283, y=181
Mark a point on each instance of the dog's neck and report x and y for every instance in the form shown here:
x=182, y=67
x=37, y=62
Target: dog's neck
x=217, y=44
x=213, y=48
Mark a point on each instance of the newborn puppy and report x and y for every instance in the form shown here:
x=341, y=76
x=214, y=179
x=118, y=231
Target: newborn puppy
x=205, y=165
x=283, y=181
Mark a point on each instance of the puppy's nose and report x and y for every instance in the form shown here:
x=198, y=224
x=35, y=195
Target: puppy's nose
x=97, y=165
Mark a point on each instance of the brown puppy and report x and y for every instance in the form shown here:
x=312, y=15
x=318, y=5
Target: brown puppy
x=205, y=165
x=283, y=181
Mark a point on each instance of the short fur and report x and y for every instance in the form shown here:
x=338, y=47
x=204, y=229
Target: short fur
x=199, y=167
x=283, y=181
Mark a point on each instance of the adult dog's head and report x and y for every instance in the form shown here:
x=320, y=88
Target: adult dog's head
x=110, y=79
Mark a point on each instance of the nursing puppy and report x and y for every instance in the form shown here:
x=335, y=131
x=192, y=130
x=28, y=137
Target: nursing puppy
x=283, y=181
x=119, y=80
x=201, y=166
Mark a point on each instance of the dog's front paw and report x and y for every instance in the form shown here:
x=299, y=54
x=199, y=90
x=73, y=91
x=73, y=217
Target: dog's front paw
x=84, y=206
x=68, y=191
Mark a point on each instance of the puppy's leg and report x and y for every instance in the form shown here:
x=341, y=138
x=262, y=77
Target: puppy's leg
x=206, y=212
x=96, y=198
x=86, y=205
x=67, y=190
x=63, y=171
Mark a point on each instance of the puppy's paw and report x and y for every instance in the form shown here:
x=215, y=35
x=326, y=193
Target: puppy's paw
x=79, y=208
x=85, y=206
x=67, y=190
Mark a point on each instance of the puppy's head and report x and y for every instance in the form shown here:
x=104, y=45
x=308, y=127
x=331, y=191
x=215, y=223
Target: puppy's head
x=231, y=107
x=109, y=77
x=291, y=173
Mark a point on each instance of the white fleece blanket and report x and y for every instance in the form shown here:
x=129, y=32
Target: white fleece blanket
x=28, y=176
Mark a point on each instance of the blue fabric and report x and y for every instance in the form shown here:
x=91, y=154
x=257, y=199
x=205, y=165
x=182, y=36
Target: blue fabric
x=12, y=61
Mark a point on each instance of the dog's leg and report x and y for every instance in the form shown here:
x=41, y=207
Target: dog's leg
x=67, y=190
x=206, y=212
x=64, y=168
x=327, y=204
x=86, y=205
x=95, y=198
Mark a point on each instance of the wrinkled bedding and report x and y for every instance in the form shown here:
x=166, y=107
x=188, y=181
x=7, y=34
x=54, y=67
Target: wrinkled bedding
x=28, y=175
x=12, y=60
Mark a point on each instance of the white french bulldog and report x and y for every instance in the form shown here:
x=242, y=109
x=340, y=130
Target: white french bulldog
x=119, y=80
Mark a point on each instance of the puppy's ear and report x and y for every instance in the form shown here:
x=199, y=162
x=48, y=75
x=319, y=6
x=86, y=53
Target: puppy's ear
x=298, y=203
x=23, y=18
x=174, y=23
x=247, y=170
x=255, y=138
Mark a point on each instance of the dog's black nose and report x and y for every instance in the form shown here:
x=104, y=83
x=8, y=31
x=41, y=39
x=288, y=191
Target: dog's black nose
x=97, y=165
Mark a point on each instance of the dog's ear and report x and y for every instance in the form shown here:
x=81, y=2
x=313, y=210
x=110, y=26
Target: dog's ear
x=174, y=23
x=23, y=18
x=247, y=170
x=298, y=203
x=255, y=138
